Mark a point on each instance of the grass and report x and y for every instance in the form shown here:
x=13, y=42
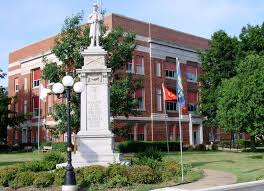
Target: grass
x=9, y=159
x=246, y=166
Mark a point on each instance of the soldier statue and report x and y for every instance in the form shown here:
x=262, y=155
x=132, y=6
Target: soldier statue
x=95, y=20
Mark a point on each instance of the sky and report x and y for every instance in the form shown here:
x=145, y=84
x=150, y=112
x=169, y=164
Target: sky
x=26, y=21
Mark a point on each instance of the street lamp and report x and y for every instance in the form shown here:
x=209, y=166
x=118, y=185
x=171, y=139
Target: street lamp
x=58, y=88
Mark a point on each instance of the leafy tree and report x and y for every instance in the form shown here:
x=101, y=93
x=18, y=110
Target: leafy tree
x=252, y=39
x=218, y=63
x=241, y=100
x=7, y=117
x=74, y=36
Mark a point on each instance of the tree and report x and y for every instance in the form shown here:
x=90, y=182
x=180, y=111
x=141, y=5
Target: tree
x=218, y=63
x=73, y=37
x=241, y=101
x=7, y=117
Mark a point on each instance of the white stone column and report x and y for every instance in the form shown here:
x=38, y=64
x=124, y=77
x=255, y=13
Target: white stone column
x=135, y=131
x=145, y=132
x=201, y=133
x=190, y=129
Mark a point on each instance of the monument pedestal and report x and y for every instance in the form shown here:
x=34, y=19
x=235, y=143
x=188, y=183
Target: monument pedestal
x=94, y=140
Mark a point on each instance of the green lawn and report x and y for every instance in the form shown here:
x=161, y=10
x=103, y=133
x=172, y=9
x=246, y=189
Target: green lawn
x=246, y=166
x=14, y=158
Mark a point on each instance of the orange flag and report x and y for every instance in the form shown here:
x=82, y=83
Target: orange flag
x=168, y=95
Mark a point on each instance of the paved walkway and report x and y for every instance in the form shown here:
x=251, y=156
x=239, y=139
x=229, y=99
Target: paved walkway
x=212, y=178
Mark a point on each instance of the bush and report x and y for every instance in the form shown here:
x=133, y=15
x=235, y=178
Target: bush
x=91, y=175
x=117, y=170
x=43, y=179
x=215, y=147
x=200, y=147
x=141, y=146
x=5, y=148
x=56, y=146
x=143, y=175
x=118, y=181
x=7, y=175
x=37, y=166
x=23, y=179
x=150, y=153
x=171, y=169
x=54, y=156
x=59, y=177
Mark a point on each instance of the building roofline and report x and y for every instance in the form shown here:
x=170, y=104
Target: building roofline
x=167, y=28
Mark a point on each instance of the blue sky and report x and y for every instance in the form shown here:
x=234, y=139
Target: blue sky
x=27, y=21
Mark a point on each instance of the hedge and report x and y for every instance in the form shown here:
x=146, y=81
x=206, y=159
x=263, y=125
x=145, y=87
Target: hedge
x=141, y=146
x=56, y=146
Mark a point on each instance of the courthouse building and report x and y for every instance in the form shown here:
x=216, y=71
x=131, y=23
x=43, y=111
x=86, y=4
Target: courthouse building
x=154, y=60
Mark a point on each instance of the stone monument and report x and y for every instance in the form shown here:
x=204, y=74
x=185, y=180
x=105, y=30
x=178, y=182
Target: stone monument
x=94, y=140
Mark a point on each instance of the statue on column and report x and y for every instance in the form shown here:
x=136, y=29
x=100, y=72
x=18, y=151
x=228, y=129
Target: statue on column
x=95, y=20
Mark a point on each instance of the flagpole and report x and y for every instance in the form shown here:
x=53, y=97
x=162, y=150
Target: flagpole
x=166, y=117
x=180, y=128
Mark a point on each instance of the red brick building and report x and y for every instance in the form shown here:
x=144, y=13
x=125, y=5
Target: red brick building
x=154, y=60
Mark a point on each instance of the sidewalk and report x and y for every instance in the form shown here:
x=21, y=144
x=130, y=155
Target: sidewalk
x=212, y=178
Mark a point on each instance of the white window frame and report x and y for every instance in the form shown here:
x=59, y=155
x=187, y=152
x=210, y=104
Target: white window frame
x=158, y=100
x=36, y=83
x=174, y=105
x=143, y=101
x=141, y=72
x=190, y=77
x=193, y=105
x=130, y=69
x=25, y=106
x=158, y=69
x=173, y=77
x=16, y=85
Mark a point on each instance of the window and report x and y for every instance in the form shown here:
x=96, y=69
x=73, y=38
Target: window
x=130, y=67
x=139, y=65
x=171, y=106
x=192, y=101
x=158, y=100
x=16, y=85
x=139, y=94
x=50, y=107
x=171, y=74
x=130, y=136
x=25, y=106
x=192, y=107
x=25, y=84
x=158, y=73
x=191, y=74
x=140, y=133
x=36, y=77
x=35, y=111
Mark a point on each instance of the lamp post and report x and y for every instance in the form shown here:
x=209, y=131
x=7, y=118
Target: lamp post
x=58, y=88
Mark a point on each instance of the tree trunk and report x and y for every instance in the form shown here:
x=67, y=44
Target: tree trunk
x=252, y=141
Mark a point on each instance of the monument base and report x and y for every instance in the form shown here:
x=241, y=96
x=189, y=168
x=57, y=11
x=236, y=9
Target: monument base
x=94, y=148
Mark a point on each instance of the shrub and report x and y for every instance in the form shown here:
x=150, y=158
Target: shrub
x=143, y=175
x=150, y=153
x=56, y=146
x=37, y=166
x=141, y=146
x=117, y=170
x=7, y=175
x=200, y=147
x=5, y=148
x=43, y=179
x=171, y=169
x=118, y=181
x=54, y=156
x=91, y=175
x=59, y=177
x=23, y=179
x=215, y=147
